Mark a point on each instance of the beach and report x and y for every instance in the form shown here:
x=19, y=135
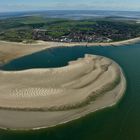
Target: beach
x=35, y=102
x=21, y=49
x=12, y=50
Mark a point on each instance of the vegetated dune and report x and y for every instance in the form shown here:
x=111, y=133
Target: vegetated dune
x=59, y=94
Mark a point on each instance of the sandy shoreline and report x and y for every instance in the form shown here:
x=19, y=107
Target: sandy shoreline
x=12, y=50
x=51, y=43
x=13, y=119
x=17, y=117
x=48, y=90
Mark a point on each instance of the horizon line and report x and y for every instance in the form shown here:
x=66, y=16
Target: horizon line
x=19, y=11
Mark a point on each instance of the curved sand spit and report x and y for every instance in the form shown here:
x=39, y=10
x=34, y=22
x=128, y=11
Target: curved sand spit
x=38, y=98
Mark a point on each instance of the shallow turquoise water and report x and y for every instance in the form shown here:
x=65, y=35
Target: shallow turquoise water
x=122, y=122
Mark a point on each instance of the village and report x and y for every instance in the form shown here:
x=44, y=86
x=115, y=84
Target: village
x=41, y=34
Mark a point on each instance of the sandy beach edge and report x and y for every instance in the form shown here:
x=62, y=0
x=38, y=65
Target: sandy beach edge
x=19, y=49
x=57, y=44
x=54, y=44
x=114, y=103
x=120, y=96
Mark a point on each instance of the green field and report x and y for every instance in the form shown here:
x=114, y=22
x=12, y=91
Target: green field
x=22, y=29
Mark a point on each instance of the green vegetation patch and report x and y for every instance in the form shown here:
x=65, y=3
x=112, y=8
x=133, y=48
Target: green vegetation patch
x=48, y=29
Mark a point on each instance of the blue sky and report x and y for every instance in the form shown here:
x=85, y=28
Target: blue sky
x=26, y=5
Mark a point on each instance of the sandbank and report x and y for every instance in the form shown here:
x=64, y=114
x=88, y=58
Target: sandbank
x=42, y=98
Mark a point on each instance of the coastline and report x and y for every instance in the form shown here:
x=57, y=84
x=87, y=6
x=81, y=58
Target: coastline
x=13, y=50
x=54, y=118
x=67, y=121
x=57, y=44
x=31, y=48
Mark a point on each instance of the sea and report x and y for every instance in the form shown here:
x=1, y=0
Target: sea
x=74, y=14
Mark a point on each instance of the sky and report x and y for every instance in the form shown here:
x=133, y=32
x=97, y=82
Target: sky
x=31, y=5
